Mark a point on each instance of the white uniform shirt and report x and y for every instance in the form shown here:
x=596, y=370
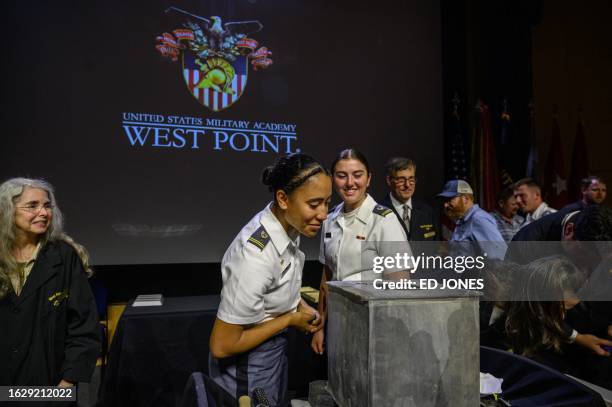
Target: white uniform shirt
x=262, y=272
x=341, y=245
x=540, y=211
x=399, y=207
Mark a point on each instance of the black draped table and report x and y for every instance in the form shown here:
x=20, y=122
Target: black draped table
x=155, y=349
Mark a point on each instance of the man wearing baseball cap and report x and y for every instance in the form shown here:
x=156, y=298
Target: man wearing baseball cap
x=472, y=223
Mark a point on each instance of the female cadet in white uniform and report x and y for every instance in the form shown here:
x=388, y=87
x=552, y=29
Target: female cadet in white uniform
x=355, y=232
x=262, y=276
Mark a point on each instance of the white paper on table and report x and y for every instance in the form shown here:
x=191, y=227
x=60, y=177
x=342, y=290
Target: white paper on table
x=490, y=384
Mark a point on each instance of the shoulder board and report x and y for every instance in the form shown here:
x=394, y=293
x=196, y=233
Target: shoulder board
x=260, y=238
x=381, y=210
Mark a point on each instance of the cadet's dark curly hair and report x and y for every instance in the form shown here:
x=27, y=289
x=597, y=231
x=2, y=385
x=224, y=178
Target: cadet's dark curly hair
x=290, y=172
x=536, y=311
x=594, y=223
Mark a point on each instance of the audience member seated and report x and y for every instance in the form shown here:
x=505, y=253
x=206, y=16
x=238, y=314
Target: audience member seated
x=593, y=190
x=529, y=199
x=508, y=221
x=533, y=322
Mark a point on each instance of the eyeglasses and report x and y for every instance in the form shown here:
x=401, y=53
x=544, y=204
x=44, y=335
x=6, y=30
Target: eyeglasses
x=35, y=208
x=404, y=180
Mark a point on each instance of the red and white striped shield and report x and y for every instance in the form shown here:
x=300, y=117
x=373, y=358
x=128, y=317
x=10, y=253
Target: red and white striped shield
x=209, y=97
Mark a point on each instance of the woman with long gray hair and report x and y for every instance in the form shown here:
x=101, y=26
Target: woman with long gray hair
x=48, y=317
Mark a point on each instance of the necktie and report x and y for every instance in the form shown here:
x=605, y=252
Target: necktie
x=406, y=216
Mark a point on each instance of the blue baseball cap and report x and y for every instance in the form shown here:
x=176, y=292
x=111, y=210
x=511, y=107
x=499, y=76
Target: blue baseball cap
x=454, y=188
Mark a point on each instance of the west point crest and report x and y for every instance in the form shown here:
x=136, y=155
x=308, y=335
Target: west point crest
x=215, y=56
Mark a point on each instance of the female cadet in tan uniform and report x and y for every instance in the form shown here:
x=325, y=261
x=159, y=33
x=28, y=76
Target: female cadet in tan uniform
x=262, y=276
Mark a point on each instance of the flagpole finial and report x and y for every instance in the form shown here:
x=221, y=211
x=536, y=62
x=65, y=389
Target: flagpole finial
x=505, y=114
x=455, y=99
x=456, y=102
x=531, y=107
x=480, y=106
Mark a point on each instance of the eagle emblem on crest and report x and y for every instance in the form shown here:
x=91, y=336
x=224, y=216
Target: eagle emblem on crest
x=215, y=56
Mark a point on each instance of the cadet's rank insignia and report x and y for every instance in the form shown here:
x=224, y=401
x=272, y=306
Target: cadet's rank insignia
x=381, y=210
x=260, y=238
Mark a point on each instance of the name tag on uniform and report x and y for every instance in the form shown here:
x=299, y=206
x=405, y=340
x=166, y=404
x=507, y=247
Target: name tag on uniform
x=428, y=235
x=327, y=234
x=360, y=237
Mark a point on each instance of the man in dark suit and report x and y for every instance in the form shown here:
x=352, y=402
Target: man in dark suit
x=417, y=218
x=593, y=190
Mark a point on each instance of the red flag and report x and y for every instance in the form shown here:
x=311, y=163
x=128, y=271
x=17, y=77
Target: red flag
x=489, y=181
x=555, y=182
x=580, y=161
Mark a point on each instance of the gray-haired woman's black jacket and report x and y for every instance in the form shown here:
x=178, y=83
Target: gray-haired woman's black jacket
x=50, y=332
